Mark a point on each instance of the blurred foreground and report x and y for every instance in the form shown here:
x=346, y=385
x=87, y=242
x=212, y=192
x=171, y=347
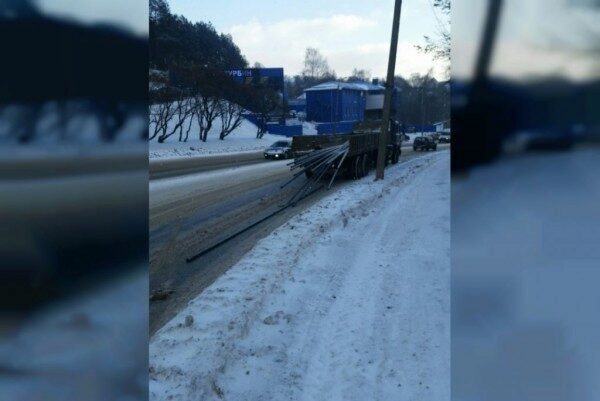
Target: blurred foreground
x=525, y=200
x=73, y=205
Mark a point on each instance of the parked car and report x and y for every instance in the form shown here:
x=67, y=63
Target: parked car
x=279, y=150
x=444, y=138
x=424, y=143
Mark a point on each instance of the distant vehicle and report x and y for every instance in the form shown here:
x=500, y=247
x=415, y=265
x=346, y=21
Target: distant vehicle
x=424, y=143
x=444, y=138
x=279, y=150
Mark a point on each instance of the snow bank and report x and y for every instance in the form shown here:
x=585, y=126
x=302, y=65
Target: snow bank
x=349, y=300
x=525, y=277
x=92, y=347
x=240, y=140
x=309, y=128
x=66, y=124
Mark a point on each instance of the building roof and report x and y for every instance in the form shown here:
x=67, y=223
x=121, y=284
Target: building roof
x=359, y=86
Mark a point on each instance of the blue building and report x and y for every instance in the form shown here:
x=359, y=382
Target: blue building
x=347, y=101
x=335, y=102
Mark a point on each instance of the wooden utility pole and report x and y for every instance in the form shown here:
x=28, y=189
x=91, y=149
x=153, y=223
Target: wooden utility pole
x=389, y=87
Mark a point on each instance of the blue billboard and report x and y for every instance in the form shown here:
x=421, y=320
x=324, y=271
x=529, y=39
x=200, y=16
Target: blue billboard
x=271, y=78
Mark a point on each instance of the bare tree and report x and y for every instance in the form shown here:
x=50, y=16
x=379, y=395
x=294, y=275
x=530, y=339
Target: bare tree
x=360, y=75
x=264, y=102
x=206, y=110
x=439, y=46
x=315, y=65
x=190, y=118
x=231, y=117
x=181, y=112
x=184, y=115
x=162, y=111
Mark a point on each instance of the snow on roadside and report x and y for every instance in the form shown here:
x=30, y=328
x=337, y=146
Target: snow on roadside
x=92, y=347
x=349, y=300
x=241, y=140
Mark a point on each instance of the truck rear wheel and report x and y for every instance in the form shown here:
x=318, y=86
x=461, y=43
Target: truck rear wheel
x=396, y=155
x=364, y=168
x=357, y=166
x=366, y=164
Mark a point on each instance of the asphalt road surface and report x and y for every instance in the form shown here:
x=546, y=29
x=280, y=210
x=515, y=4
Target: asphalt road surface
x=178, y=166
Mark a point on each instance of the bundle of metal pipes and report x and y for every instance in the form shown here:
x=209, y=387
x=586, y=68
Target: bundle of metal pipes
x=314, y=165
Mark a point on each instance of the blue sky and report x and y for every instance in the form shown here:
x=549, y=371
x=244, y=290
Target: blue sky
x=351, y=33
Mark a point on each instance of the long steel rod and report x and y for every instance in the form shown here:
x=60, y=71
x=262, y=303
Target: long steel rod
x=337, y=169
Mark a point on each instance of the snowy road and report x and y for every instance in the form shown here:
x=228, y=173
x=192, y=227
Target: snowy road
x=165, y=167
x=177, y=166
x=192, y=212
x=349, y=300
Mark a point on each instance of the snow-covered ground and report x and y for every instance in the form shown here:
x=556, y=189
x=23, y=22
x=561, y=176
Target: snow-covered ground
x=81, y=125
x=240, y=140
x=349, y=300
x=525, y=274
x=90, y=348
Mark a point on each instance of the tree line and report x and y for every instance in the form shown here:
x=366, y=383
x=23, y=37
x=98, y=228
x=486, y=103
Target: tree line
x=189, y=89
x=175, y=41
x=423, y=100
x=200, y=54
x=193, y=98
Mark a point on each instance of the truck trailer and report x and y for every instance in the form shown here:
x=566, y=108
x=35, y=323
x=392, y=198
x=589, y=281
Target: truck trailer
x=362, y=149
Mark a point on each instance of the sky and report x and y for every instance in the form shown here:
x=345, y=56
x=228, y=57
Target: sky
x=350, y=34
x=564, y=43
x=356, y=33
x=128, y=14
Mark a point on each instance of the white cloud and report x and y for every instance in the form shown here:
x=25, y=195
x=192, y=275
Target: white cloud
x=374, y=57
x=346, y=40
x=522, y=60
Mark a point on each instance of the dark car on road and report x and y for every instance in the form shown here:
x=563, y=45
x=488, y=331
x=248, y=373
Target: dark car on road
x=279, y=150
x=444, y=138
x=424, y=143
